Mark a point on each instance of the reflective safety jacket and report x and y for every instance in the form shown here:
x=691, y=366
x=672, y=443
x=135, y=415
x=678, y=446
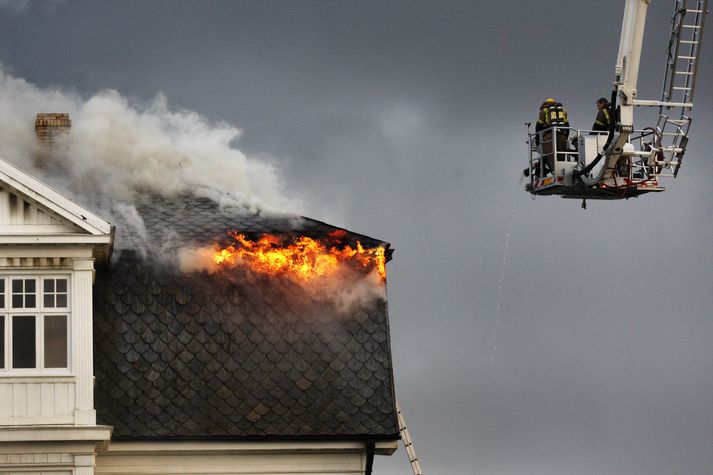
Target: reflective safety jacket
x=552, y=114
x=603, y=120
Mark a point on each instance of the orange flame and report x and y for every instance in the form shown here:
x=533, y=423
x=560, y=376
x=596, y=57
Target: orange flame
x=306, y=258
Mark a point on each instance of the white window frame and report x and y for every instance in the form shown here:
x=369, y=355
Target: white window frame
x=39, y=312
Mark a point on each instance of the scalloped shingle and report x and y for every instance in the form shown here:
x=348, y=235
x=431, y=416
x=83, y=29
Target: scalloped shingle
x=198, y=356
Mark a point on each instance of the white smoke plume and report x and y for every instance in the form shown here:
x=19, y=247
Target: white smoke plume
x=120, y=150
x=350, y=292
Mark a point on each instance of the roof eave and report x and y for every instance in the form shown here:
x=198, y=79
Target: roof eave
x=102, y=244
x=267, y=438
x=53, y=200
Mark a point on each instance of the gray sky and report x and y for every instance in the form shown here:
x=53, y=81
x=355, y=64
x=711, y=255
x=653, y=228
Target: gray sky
x=405, y=121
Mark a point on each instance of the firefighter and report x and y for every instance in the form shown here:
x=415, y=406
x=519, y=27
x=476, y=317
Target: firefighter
x=552, y=114
x=603, y=121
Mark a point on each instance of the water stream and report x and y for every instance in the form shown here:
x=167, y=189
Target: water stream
x=501, y=284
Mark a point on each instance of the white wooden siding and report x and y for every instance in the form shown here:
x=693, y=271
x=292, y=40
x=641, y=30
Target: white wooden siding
x=44, y=397
x=37, y=402
x=15, y=472
x=63, y=472
x=26, y=458
x=41, y=262
x=21, y=216
x=243, y=464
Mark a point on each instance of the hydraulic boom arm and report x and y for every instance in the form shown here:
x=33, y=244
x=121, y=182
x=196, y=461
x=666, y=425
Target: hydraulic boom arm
x=626, y=75
x=627, y=162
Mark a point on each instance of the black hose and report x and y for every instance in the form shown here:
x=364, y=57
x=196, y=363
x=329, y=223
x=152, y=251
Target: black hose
x=613, y=112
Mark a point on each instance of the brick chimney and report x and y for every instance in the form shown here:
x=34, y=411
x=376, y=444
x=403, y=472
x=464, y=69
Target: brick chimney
x=50, y=127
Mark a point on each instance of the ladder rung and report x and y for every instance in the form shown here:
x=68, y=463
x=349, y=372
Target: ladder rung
x=678, y=88
x=685, y=73
x=686, y=57
x=691, y=26
x=689, y=10
x=689, y=42
x=638, y=102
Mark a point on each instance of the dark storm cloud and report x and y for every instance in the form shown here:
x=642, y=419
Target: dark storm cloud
x=405, y=121
x=16, y=7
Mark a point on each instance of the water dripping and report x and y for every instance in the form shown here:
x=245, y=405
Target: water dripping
x=501, y=285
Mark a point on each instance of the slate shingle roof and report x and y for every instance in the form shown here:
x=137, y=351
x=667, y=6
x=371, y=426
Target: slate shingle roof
x=199, y=356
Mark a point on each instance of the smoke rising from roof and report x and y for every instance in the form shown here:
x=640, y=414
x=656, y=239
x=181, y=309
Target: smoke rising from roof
x=347, y=289
x=118, y=150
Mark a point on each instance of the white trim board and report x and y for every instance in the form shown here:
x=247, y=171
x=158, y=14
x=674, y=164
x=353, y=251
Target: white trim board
x=46, y=196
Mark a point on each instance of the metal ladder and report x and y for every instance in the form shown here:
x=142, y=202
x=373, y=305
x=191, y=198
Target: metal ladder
x=408, y=443
x=679, y=85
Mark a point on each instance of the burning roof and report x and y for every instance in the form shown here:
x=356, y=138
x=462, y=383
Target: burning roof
x=303, y=257
x=233, y=351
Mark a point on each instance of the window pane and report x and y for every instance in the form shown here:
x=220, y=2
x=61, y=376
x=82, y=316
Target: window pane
x=56, y=341
x=23, y=342
x=54, y=293
x=2, y=341
x=24, y=293
x=61, y=285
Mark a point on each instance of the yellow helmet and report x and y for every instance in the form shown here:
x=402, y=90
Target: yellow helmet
x=549, y=99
